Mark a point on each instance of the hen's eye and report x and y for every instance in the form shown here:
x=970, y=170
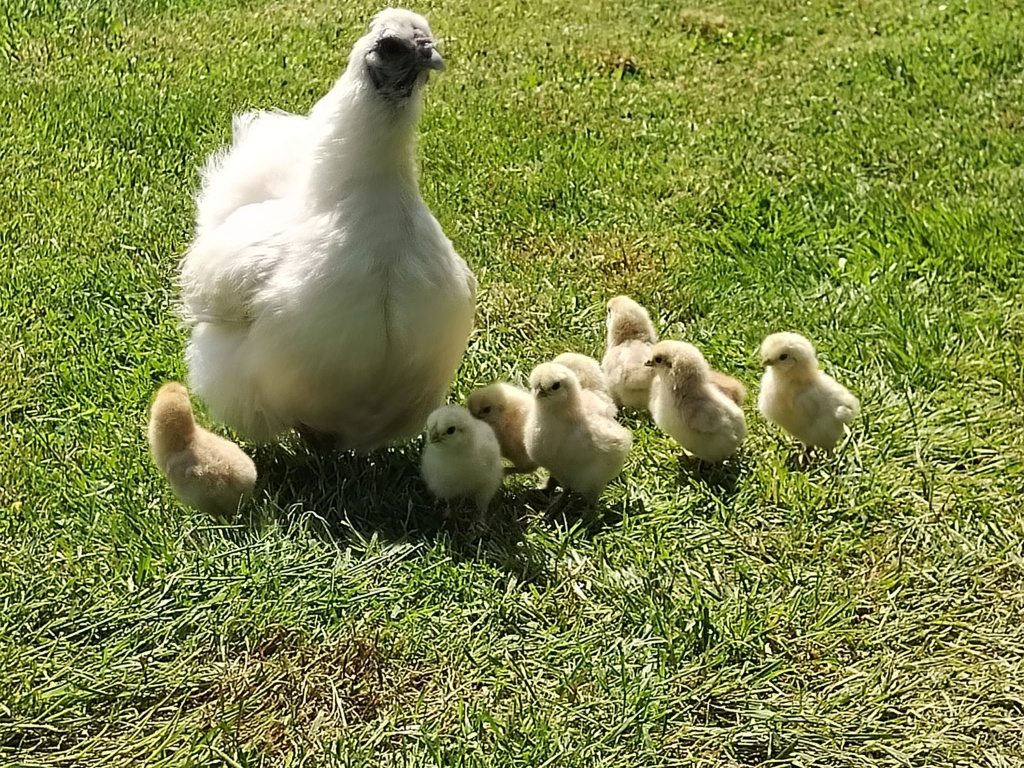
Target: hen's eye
x=390, y=48
x=556, y=385
x=783, y=357
x=451, y=430
x=486, y=410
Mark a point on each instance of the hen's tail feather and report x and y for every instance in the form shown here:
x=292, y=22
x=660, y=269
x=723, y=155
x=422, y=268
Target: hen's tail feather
x=259, y=165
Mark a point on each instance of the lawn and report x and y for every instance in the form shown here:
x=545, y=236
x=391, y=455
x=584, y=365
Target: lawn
x=850, y=169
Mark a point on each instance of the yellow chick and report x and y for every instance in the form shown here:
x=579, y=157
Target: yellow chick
x=799, y=397
x=206, y=471
x=596, y=396
x=630, y=335
x=505, y=408
x=582, y=449
x=728, y=386
x=688, y=407
x=461, y=457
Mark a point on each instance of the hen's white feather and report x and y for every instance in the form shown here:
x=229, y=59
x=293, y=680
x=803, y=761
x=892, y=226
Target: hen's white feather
x=321, y=289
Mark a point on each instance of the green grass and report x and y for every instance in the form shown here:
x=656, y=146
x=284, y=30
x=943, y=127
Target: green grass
x=851, y=169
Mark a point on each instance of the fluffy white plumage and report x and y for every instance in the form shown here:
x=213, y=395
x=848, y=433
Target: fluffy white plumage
x=799, y=397
x=630, y=336
x=461, y=458
x=206, y=471
x=505, y=407
x=687, y=406
x=596, y=396
x=582, y=450
x=322, y=292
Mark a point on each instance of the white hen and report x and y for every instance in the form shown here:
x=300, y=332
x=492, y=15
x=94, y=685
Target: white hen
x=322, y=292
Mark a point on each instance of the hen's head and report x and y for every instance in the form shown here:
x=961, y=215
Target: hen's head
x=398, y=53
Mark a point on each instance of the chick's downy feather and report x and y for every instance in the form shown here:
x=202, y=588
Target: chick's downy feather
x=630, y=335
x=596, y=396
x=505, y=408
x=799, y=397
x=206, y=471
x=461, y=458
x=582, y=449
x=687, y=406
x=321, y=291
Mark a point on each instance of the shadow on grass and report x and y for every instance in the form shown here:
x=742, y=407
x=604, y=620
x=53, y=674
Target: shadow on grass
x=721, y=479
x=345, y=496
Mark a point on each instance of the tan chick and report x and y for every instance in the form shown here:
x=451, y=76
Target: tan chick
x=630, y=335
x=688, y=407
x=801, y=398
x=206, y=471
x=728, y=386
x=582, y=449
x=461, y=458
x=505, y=408
x=596, y=395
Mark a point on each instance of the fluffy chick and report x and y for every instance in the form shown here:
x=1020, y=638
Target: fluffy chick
x=206, y=471
x=583, y=450
x=688, y=407
x=596, y=395
x=461, y=458
x=505, y=408
x=799, y=397
x=728, y=386
x=630, y=335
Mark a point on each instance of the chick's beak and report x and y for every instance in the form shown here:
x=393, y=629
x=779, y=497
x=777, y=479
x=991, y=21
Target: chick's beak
x=649, y=363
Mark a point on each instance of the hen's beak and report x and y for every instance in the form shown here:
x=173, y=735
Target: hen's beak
x=432, y=59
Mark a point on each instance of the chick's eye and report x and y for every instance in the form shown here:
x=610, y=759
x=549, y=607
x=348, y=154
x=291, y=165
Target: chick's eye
x=390, y=48
x=783, y=357
x=486, y=410
x=658, y=359
x=556, y=385
x=451, y=430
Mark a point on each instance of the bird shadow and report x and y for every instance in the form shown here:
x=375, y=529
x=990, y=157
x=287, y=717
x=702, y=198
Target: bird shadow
x=342, y=497
x=720, y=478
x=340, y=493
x=346, y=497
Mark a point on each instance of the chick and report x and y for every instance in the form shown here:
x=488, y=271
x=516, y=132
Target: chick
x=688, y=407
x=505, y=407
x=461, y=458
x=799, y=397
x=206, y=471
x=728, y=386
x=583, y=450
x=596, y=395
x=630, y=335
